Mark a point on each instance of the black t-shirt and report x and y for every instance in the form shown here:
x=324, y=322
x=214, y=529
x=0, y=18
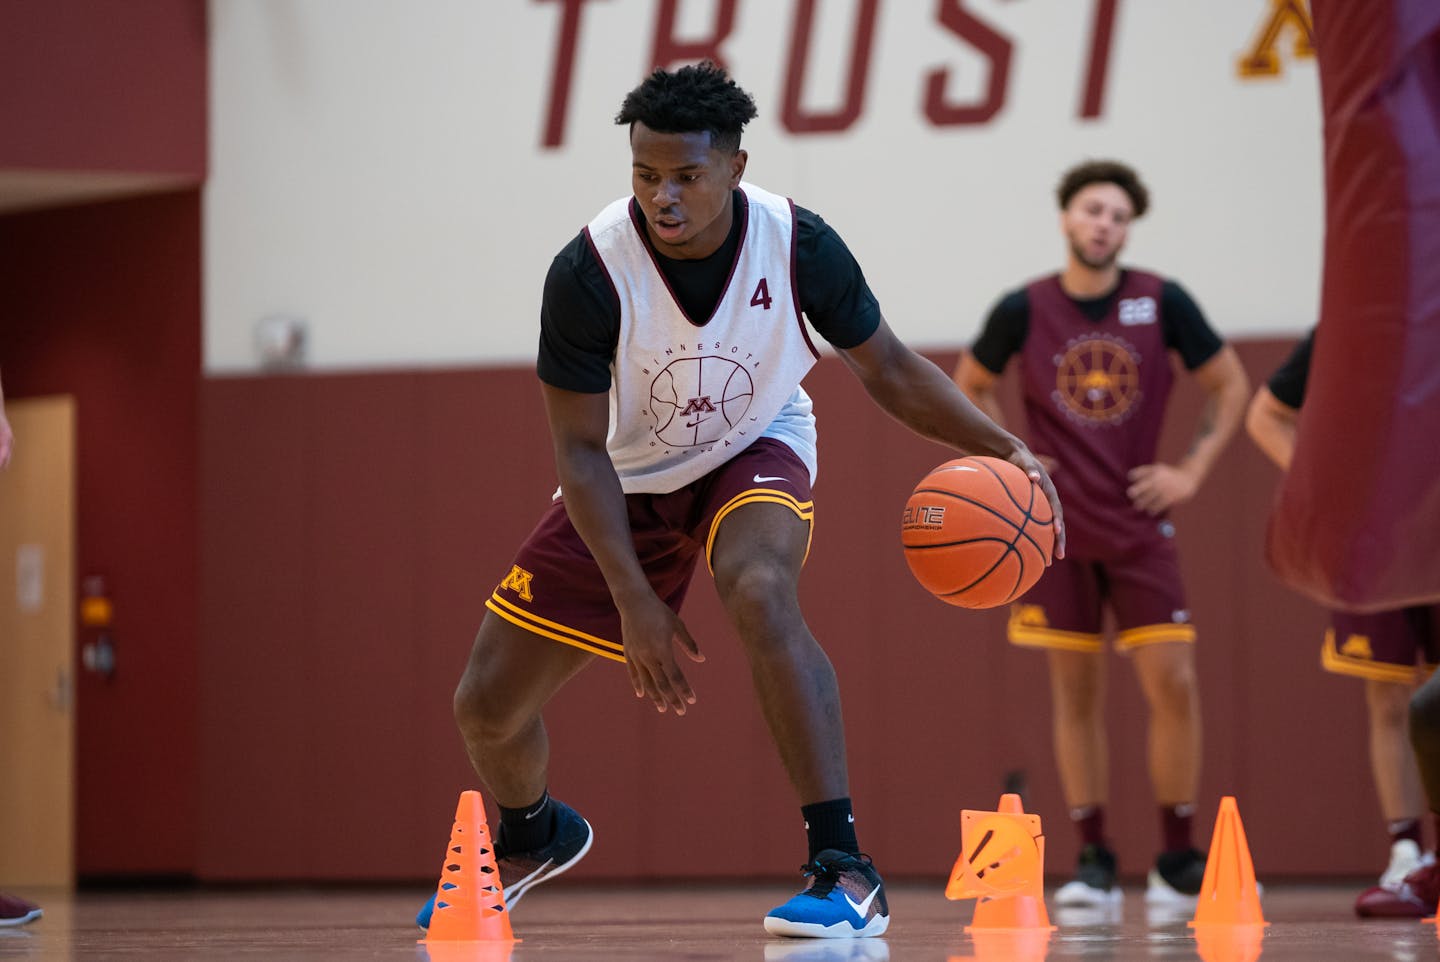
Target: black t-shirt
x=1181, y=322
x=1288, y=381
x=580, y=315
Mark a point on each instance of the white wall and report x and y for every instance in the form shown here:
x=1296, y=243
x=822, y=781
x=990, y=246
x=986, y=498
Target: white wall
x=377, y=166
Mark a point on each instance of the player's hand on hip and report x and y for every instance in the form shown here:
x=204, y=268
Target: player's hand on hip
x=1156, y=488
x=651, y=633
x=1038, y=469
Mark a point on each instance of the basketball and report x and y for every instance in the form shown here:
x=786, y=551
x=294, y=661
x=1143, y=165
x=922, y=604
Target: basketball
x=977, y=532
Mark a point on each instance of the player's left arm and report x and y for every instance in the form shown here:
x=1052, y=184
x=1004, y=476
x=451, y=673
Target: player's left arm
x=1155, y=488
x=917, y=393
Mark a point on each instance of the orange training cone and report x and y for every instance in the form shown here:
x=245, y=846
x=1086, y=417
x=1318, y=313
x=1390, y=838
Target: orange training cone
x=1001, y=864
x=1229, y=943
x=1228, y=895
x=469, y=903
x=999, y=945
x=467, y=952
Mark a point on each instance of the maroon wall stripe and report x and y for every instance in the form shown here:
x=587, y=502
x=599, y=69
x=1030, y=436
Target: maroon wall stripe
x=354, y=525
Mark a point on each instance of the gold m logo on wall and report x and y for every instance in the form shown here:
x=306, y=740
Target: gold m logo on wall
x=1262, y=59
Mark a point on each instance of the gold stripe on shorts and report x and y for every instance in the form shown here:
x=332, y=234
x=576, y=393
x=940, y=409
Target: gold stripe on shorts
x=1028, y=636
x=804, y=509
x=554, y=630
x=1153, y=635
x=1332, y=660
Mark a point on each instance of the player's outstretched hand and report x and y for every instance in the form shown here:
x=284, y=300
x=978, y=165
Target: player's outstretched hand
x=651, y=633
x=1036, y=468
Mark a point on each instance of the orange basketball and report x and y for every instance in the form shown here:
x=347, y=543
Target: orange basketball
x=977, y=532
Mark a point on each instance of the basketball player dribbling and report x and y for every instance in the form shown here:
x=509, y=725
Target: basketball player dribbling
x=1391, y=651
x=1094, y=344
x=673, y=339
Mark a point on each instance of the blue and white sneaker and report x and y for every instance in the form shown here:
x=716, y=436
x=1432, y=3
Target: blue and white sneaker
x=522, y=871
x=845, y=899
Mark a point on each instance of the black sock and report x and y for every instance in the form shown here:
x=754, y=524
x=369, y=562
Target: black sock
x=830, y=825
x=530, y=827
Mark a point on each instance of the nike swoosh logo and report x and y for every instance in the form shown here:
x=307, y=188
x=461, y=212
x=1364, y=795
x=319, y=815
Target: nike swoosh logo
x=760, y=480
x=861, y=908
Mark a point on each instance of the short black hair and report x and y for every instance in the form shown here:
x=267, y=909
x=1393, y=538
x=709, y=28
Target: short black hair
x=698, y=97
x=1090, y=172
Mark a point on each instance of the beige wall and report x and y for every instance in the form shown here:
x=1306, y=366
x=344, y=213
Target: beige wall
x=380, y=169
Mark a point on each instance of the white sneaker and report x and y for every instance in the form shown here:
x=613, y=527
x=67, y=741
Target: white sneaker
x=1176, y=878
x=1078, y=894
x=1094, y=884
x=1405, y=857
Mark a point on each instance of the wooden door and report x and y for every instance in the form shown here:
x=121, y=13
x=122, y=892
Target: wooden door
x=37, y=638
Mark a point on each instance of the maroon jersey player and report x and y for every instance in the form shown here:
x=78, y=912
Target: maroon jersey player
x=1391, y=652
x=1094, y=343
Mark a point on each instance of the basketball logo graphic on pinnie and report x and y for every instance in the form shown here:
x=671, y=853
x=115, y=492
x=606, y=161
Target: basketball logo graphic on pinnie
x=697, y=400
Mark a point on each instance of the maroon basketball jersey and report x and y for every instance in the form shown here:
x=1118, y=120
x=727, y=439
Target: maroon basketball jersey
x=1095, y=401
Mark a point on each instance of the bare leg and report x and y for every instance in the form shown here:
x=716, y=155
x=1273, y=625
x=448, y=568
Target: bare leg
x=1167, y=677
x=757, y=556
x=1392, y=761
x=1077, y=697
x=511, y=674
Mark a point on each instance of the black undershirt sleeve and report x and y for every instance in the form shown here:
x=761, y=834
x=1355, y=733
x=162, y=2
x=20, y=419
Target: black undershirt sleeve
x=832, y=289
x=1289, y=380
x=1186, y=330
x=1004, y=332
x=579, y=322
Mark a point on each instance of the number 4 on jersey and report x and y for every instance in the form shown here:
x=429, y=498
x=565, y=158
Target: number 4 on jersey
x=761, y=297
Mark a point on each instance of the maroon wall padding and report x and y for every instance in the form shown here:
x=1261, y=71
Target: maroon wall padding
x=103, y=302
x=1358, y=520
x=91, y=86
x=352, y=527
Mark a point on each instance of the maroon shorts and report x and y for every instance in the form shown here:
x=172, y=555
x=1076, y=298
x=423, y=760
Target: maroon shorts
x=1065, y=610
x=1400, y=646
x=556, y=589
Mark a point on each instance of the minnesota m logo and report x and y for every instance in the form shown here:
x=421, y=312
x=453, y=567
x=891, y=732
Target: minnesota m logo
x=1028, y=616
x=518, y=581
x=1261, y=60
x=1357, y=646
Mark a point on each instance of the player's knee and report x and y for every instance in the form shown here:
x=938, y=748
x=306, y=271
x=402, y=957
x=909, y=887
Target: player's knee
x=1076, y=686
x=482, y=717
x=1078, y=702
x=758, y=593
x=1172, y=686
x=1388, y=703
